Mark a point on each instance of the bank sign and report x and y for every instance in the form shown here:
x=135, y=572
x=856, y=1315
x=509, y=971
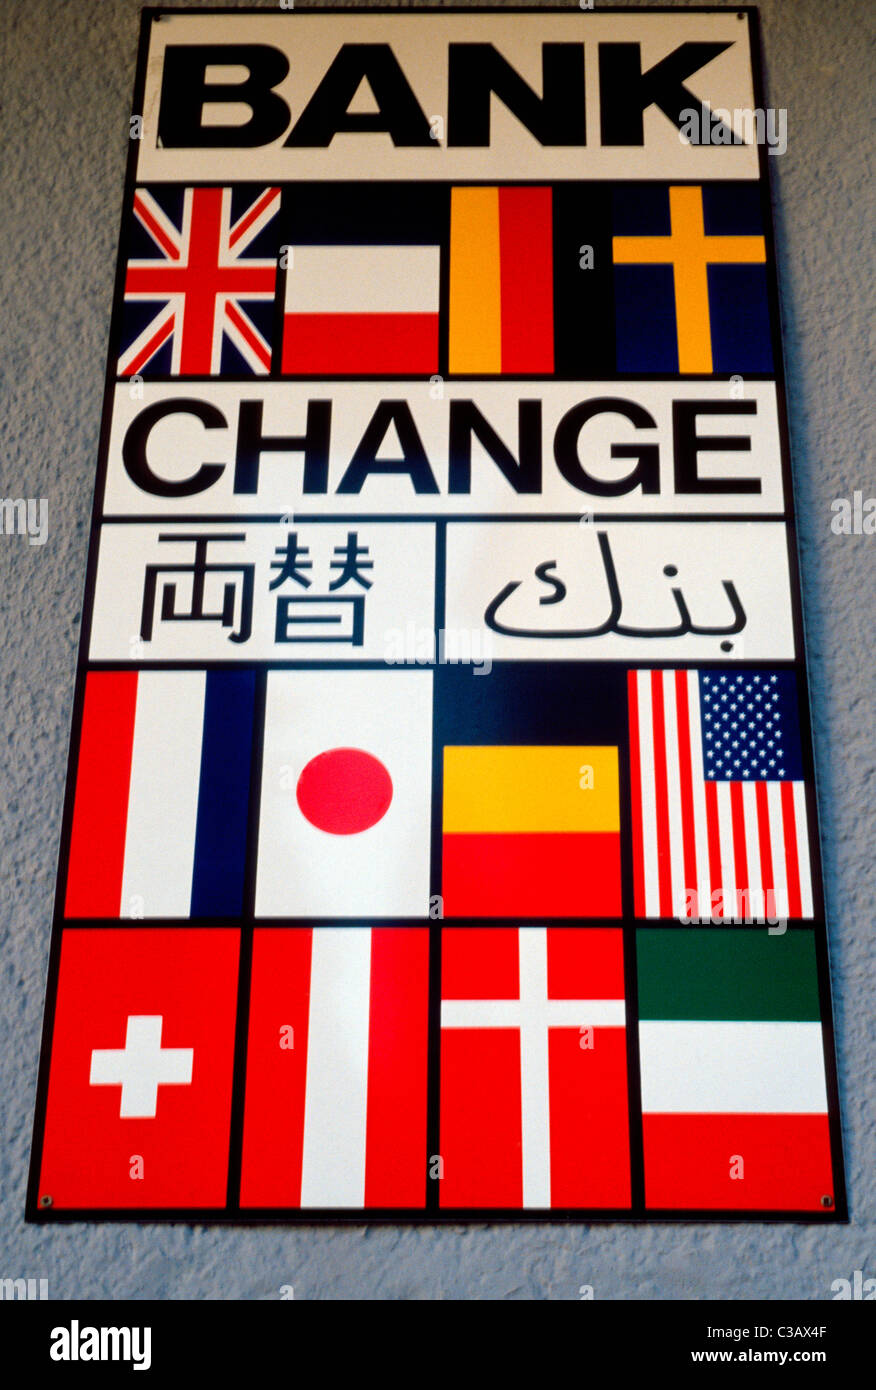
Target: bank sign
x=440, y=837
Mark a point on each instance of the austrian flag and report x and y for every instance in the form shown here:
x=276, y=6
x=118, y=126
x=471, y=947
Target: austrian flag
x=335, y=1111
x=199, y=300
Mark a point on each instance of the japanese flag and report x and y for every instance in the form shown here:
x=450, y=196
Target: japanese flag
x=345, y=819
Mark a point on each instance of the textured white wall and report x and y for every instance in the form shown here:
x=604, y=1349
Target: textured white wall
x=67, y=70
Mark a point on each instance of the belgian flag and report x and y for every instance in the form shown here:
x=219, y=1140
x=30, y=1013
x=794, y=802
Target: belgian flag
x=531, y=818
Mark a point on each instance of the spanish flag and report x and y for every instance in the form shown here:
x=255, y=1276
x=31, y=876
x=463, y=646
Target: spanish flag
x=531, y=831
x=501, y=281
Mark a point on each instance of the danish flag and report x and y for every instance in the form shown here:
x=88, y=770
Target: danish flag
x=533, y=1068
x=201, y=282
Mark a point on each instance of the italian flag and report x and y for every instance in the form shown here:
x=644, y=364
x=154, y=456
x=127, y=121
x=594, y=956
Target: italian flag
x=734, y=1097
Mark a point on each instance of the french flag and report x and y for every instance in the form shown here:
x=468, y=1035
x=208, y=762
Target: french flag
x=162, y=795
x=361, y=309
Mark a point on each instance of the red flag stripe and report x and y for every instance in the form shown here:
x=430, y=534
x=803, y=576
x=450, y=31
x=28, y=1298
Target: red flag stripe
x=100, y=808
x=542, y=875
x=715, y=872
x=155, y=229
x=588, y=1115
x=150, y=347
x=177, y=280
x=740, y=857
x=526, y=279
x=247, y=333
x=691, y=1160
x=203, y=281
x=481, y=1118
x=792, y=864
x=395, y=1149
x=661, y=793
x=360, y=343
x=691, y=880
x=255, y=212
x=766, y=853
x=276, y=1068
x=636, y=796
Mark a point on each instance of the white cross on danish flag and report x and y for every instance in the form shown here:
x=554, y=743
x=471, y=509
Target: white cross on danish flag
x=201, y=282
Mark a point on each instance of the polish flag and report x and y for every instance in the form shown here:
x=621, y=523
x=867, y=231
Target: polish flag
x=335, y=1110
x=371, y=309
x=533, y=1068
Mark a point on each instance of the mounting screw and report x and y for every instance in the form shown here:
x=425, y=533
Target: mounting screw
x=825, y=1201
x=45, y=1200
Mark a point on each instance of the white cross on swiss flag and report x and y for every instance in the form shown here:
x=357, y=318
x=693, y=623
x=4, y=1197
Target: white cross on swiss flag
x=141, y=1066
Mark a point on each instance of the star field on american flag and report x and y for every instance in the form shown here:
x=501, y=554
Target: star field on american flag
x=749, y=727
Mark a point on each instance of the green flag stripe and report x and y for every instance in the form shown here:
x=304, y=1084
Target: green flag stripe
x=726, y=973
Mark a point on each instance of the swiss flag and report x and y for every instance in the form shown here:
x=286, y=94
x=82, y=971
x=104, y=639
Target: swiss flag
x=139, y=1099
x=533, y=1068
x=336, y=1077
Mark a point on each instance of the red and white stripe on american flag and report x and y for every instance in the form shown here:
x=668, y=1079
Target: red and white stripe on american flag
x=705, y=848
x=202, y=277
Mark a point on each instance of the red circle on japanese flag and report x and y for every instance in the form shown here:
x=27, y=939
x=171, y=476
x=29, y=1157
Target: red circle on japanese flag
x=344, y=791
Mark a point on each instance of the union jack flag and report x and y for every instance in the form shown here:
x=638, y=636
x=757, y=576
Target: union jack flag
x=197, y=303
x=720, y=826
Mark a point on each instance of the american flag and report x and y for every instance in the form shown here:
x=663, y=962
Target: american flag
x=718, y=799
x=198, y=290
